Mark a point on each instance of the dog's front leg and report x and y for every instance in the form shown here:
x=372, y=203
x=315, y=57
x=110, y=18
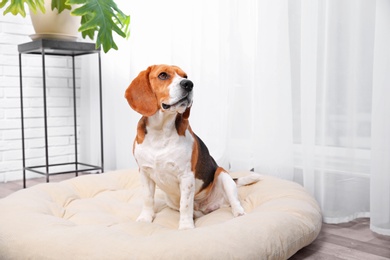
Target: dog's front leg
x=148, y=186
x=187, y=191
x=230, y=189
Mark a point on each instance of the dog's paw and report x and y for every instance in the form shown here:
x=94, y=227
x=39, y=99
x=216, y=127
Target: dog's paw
x=238, y=211
x=240, y=214
x=145, y=216
x=186, y=224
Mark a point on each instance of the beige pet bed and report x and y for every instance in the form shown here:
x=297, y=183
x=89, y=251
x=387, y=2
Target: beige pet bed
x=93, y=217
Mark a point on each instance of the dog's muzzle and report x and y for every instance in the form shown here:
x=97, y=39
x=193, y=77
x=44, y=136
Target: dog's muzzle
x=187, y=87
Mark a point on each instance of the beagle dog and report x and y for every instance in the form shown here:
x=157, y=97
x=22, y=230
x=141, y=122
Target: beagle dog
x=170, y=155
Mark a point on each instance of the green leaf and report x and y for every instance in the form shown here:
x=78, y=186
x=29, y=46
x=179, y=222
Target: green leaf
x=2, y=3
x=102, y=16
x=88, y=32
x=17, y=6
x=61, y=5
x=40, y=4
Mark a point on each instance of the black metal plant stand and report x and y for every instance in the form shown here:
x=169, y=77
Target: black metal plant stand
x=45, y=47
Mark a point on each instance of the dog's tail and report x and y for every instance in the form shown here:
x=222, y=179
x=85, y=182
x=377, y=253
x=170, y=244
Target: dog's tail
x=247, y=180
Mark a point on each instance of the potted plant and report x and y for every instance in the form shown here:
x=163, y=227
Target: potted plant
x=101, y=16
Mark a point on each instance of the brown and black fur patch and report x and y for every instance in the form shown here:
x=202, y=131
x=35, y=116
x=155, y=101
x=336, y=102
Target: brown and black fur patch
x=206, y=166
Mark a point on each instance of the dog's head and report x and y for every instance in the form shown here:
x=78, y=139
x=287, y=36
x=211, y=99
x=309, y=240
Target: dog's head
x=160, y=87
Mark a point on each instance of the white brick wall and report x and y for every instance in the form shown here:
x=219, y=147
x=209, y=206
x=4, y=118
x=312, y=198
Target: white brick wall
x=13, y=31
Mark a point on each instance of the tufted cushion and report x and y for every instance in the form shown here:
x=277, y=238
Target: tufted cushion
x=93, y=217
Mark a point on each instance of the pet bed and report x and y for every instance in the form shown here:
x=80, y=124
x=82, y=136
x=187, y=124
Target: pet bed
x=93, y=217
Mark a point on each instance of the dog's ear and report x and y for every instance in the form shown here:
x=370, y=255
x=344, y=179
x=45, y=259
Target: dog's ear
x=186, y=113
x=140, y=95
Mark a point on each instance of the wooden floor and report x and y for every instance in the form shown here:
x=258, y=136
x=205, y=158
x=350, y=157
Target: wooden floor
x=353, y=240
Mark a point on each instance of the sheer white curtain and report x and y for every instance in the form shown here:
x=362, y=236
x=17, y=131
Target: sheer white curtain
x=340, y=123
x=296, y=89
x=334, y=78
x=380, y=127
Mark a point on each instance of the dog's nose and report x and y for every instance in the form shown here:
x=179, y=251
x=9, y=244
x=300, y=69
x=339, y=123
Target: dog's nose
x=186, y=84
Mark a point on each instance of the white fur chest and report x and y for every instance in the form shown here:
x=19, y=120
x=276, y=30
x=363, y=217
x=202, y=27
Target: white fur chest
x=165, y=157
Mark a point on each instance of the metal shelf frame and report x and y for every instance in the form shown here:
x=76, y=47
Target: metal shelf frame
x=72, y=49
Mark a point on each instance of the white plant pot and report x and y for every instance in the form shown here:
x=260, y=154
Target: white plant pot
x=54, y=25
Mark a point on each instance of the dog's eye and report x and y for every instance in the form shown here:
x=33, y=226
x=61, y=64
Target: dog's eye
x=185, y=76
x=163, y=76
